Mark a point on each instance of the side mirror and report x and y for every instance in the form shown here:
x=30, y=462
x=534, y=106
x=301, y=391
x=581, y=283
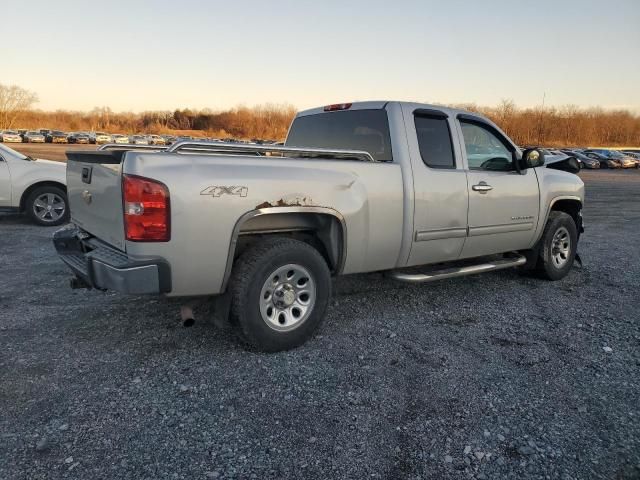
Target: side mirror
x=531, y=158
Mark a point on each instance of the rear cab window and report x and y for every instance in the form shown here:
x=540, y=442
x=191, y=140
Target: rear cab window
x=434, y=141
x=365, y=130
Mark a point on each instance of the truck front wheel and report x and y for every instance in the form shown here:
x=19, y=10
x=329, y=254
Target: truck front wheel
x=558, y=247
x=280, y=289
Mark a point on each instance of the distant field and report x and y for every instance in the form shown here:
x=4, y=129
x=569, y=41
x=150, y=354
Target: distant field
x=48, y=151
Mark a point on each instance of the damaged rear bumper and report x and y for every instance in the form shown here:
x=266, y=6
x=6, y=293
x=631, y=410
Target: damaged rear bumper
x=98, y=265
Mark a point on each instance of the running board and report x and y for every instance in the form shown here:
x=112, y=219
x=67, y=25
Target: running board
x=514, y=260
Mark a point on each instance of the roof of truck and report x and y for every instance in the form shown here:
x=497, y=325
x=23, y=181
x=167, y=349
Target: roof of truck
x=379, y=104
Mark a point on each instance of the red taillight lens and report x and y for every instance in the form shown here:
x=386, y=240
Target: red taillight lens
x=146, y=209
x=337, y=106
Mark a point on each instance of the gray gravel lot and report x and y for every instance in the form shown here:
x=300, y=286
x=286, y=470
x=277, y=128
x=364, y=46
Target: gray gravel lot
x=494, y=376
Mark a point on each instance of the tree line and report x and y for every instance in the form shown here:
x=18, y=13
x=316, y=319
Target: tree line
x=259, y=122
x=567, y=125
x=549, y=126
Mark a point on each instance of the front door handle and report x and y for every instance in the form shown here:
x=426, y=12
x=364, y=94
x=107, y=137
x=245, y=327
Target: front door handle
x=482, y=187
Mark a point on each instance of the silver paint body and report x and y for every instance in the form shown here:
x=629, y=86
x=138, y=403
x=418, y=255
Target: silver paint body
x=393, y=214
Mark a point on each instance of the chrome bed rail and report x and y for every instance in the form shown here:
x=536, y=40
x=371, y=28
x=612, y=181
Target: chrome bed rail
x=240, y=149
x=221, y=148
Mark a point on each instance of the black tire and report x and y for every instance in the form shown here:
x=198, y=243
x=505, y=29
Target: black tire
x=48, y=220
x=249, y=280
x=547, y=266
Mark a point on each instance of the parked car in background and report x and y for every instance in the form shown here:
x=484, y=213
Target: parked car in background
x=10, y=136
x=604, y=161
x=32, y=137
x=138, y=140
x=101, y=138
x=169, y=139
x=634, y=155
x=585, y=161
x=35, y=187
x=623, y=160
x=156, y=140
x=56, y=136
x=78, y=137
x=118, y=138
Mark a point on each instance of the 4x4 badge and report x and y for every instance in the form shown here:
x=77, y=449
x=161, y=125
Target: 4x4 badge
x=217, y=191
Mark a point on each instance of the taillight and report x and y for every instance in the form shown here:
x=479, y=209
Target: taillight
x=147, y=211
x=337, y=106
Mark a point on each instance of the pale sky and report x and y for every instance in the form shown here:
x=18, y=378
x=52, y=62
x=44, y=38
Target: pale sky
x=161, y=55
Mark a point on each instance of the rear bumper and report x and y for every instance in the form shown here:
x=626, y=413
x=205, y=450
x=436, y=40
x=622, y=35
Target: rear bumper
x=101, y=266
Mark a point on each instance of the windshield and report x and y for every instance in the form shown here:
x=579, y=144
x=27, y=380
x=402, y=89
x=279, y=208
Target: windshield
x=364, y=130
x=33, y=133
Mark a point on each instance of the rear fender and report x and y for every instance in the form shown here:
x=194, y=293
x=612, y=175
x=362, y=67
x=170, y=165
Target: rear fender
x=275, y=220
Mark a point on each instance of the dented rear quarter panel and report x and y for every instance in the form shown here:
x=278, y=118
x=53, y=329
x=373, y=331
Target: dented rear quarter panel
x=368, y=196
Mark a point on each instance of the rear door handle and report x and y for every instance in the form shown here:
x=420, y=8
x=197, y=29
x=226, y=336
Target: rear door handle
x=482, y=187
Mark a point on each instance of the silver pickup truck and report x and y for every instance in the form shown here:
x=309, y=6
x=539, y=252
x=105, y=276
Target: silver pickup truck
x=421, y=192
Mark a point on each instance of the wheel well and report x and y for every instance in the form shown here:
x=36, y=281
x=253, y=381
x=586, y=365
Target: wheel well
x=571, y=207
x=322, y=231
x=31, y=188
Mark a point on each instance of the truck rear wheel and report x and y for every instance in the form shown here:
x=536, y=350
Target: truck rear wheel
x=558, y=247
x=280, y=289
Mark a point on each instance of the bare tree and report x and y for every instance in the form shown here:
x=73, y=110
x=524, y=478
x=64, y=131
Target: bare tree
x=13, y=101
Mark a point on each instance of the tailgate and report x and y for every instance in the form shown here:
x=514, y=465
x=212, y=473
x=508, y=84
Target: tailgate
x=94, y=188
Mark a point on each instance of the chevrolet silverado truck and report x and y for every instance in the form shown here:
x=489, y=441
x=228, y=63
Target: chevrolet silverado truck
x=420, y=192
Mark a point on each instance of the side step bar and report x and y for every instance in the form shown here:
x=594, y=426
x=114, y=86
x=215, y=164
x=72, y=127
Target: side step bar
x=515, y=260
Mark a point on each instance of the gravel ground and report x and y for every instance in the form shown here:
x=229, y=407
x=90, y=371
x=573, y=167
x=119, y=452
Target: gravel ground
x=494, y=376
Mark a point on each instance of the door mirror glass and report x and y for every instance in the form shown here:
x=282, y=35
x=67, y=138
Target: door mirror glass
x=532, y=158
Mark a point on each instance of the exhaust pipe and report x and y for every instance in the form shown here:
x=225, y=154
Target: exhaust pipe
x=187, y=316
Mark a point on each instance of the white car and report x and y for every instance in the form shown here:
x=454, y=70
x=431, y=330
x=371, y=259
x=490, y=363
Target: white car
x=156, y=140
x=33, y=137
x=35, y=187
x=102, y=138
x=139, y=140
x=10, y=136
x=117, y=138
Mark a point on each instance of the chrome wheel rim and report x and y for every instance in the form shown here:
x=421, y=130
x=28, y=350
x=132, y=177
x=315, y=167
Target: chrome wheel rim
x=49, y=207
x=287, y=297
x=561, y=247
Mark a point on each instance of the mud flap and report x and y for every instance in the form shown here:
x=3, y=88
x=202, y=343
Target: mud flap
x=221, y=307
x=578, y=260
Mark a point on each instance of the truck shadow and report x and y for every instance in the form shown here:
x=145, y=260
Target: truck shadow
x=14, y=219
